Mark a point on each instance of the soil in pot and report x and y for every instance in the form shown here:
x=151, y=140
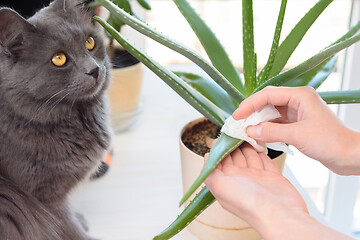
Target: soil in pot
x=122, y=58
x=197, y=138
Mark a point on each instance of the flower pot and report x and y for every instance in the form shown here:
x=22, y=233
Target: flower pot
x=214, y=223
x=125, y=90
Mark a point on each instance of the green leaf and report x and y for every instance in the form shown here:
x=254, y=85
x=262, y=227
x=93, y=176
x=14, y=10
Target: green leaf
x=115, y=24
x=202, y=200
x=209, y=89
x=223, y=146
x=341, y=97
x=352, y=31
x=323, y=73
x=302, y=80
x=290, y=43
x=211, y=44
x=123, y=4
x=316, y=76
x=284, y=78
x=194, y=98
x=249, y=55
x=145, y=4
x=172, y=44
x=264, y=74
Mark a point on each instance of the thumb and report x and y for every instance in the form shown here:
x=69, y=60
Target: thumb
x=272, y=132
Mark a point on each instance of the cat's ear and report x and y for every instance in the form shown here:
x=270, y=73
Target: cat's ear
x=13, y=31
x=79, y=5
x=83, y=4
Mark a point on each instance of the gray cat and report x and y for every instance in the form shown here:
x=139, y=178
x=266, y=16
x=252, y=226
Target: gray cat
x=54, y=127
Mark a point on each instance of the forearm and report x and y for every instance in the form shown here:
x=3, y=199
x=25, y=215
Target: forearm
x=297, y=226
x=348, y=156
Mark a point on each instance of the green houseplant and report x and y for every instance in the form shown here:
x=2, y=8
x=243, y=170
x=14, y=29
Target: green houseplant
x=115, y=22
x=127, y=74
x=217, y=96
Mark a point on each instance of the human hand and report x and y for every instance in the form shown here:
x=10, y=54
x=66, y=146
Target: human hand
x=249, y=185
x=306, y=123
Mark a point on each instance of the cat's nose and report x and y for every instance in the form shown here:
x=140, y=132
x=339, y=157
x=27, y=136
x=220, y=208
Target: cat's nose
x=94, y=73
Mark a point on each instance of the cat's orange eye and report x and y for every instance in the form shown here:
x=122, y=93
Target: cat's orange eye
x=90, y=43
x=59, y=59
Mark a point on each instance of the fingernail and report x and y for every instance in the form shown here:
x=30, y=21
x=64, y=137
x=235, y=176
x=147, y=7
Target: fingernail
x=254, y=131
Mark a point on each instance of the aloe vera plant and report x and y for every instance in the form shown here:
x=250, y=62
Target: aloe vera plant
x=218, y=95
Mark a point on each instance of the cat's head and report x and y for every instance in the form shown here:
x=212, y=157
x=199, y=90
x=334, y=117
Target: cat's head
x=56, y=55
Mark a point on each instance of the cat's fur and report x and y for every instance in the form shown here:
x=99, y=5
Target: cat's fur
x=54, y=127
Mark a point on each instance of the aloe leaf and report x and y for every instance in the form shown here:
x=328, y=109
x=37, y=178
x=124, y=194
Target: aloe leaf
x=202, y=200
x=172, y=44
x=309, y=75
x=223, y=146
x=341, y=97
x=288, y=46
x=145, y=4
x=316, y=76
x=352, y=31
x=264, y=74
x=249, y=55
x=209, y=89
x=216, y=52
x=323, y=74
x=283, y=78
x=194, y=98
x=123, y=4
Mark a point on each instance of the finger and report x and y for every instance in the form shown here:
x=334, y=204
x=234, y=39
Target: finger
x=277, y=96
x=239, y=159
x=274, y=132
x=213, y=178
x=252, y=157
x=269, y=165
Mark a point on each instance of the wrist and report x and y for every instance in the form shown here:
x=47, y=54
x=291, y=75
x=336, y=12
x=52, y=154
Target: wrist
x=349, y=154
x=281, y=223
x=295, y=224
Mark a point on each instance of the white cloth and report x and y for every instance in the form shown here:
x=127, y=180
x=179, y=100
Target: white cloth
x=237, y=129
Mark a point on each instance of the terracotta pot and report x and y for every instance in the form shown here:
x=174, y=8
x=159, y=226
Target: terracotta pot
x=124, y=93
x=214, y=223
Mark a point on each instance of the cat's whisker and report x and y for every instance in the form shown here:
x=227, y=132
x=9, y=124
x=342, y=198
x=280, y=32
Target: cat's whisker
x=43, y=107
x=54, y=95
x=57, y=103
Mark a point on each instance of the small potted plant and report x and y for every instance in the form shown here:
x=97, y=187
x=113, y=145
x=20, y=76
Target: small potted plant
x=127, y=74
x=218, y=95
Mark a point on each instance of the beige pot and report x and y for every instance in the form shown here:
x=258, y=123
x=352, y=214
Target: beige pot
x=214, y=223
x=124, y=93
